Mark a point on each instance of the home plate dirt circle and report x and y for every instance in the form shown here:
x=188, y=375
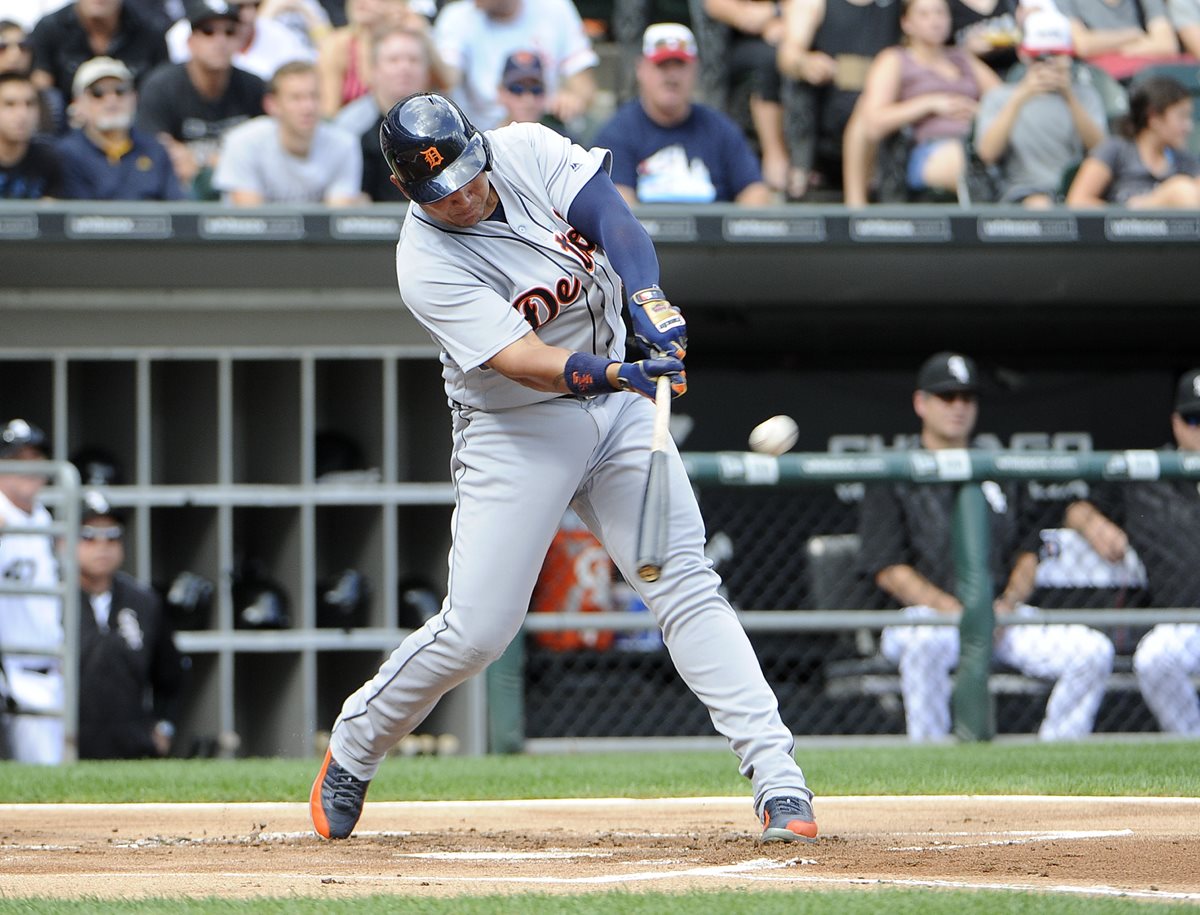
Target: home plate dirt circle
x=1140, y=847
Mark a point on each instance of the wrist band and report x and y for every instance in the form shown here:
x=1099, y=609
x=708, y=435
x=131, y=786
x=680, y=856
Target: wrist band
x=584, y=374
x=649, y=294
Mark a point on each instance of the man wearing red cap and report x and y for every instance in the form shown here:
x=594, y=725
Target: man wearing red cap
x=668, y=148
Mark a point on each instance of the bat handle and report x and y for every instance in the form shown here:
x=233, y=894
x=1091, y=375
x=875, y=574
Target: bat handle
x=662, y=414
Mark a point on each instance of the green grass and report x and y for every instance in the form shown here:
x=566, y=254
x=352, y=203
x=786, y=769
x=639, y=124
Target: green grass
x=1151, y=768
x=893, y=902
x=1154, y=767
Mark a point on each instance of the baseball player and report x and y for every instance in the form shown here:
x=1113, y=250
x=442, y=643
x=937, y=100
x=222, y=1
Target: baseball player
x=518, y=255
x=34, y=682
x=905, y=530
x=1161, y=519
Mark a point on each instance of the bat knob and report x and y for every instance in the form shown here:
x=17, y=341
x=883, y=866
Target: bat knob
x=649, y=573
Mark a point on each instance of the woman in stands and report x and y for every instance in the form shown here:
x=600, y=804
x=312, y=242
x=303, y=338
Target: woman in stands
x=344, y=55
x=1147, y=165
x=929, y=88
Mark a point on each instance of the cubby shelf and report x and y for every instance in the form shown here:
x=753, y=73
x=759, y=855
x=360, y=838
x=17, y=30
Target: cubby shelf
x=276, y=469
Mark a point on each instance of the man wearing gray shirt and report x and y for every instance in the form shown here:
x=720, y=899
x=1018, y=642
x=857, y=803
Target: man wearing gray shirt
x=289, y=156
x=1034, y=129
x=1121, y=36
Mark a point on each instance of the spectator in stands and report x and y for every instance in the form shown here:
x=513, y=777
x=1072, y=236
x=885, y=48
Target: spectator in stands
x=1122, y=36
x=522, y=92
x=1147, y=166
x=15, y=53
x=906, y=547
x=824, y=55
x=89, y=28
x=263, y=45
x=31, y=683
x=104, y=158
x=669, y=148
x=401, y=66
x=928, y=88
x=1036, y=128
x=130, y=673
x=16, y=56
x=190, y=106
x=474, y=37
x=29, y=168
x=757, y=29
x=1161, y=520
x=344, y=56
x=290, y=155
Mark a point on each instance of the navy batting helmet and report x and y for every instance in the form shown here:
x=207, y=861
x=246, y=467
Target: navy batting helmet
x=431, y=147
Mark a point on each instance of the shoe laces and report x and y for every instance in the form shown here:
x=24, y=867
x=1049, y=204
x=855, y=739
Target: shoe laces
x=790, y=808
x=344, y=788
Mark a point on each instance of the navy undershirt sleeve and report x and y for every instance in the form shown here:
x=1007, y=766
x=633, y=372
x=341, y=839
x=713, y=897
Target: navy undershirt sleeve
x=602, y=215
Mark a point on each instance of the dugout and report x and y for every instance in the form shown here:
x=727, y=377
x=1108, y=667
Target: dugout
x=207, y=348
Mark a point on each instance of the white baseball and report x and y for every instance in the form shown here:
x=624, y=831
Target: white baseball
x=774, y=436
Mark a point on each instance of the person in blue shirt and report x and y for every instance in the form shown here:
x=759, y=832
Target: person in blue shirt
x=668, y=148
x=105, y=158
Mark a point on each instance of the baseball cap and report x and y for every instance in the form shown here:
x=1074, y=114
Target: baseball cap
x=198, y=11
x=96, y=69
x=947, y=373
x=18, y=434
x=1187, y=394
x=1046, y=31
x=668, y=41
x=95, y=507
x=522, y=67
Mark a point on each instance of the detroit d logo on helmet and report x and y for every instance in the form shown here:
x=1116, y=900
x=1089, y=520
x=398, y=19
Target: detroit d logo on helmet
x=433, y=158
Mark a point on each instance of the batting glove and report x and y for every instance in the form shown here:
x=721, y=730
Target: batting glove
x=642, y=377
x=657, y=324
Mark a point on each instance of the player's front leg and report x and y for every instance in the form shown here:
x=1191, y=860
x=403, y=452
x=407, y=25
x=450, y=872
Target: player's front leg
x=706, y=641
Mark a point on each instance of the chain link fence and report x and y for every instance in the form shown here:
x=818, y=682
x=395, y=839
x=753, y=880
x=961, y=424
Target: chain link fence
x=791, y=554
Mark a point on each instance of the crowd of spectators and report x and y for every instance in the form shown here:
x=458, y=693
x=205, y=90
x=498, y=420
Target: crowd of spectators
x=1032, y=102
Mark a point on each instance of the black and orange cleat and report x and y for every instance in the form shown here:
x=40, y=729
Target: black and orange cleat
x=789, y=819
x=336, y=801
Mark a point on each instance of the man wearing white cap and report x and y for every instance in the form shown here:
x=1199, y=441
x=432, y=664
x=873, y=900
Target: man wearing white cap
x=1034, y=129
x=104, y=158
x=668, y=148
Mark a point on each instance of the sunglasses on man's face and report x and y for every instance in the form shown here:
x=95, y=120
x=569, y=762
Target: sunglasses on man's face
x=228, y=31
x=120, y=90
x=5, y=45
x=523, y=88
x=1191, y=419
x=92, y=534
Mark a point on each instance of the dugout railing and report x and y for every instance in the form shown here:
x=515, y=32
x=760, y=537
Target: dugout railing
x=822, y=652
x=62, y=497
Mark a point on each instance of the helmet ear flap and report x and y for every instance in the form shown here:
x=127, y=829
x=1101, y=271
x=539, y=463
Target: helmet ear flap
x=487, y=150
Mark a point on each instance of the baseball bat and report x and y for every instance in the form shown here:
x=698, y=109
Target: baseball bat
x=652, y=526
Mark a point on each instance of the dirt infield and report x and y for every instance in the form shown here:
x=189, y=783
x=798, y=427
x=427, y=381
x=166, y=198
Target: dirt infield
x=1147, y=848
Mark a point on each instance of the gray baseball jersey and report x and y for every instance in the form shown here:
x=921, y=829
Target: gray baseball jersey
x=520, y=457
x=477, y=290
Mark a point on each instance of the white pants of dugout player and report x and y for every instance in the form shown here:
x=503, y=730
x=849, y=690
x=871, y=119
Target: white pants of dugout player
x=1164, y=661
x=37, y=686
x=1078, y=658
x=514, y=473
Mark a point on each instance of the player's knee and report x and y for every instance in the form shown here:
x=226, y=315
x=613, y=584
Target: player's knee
x=1096, y=652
